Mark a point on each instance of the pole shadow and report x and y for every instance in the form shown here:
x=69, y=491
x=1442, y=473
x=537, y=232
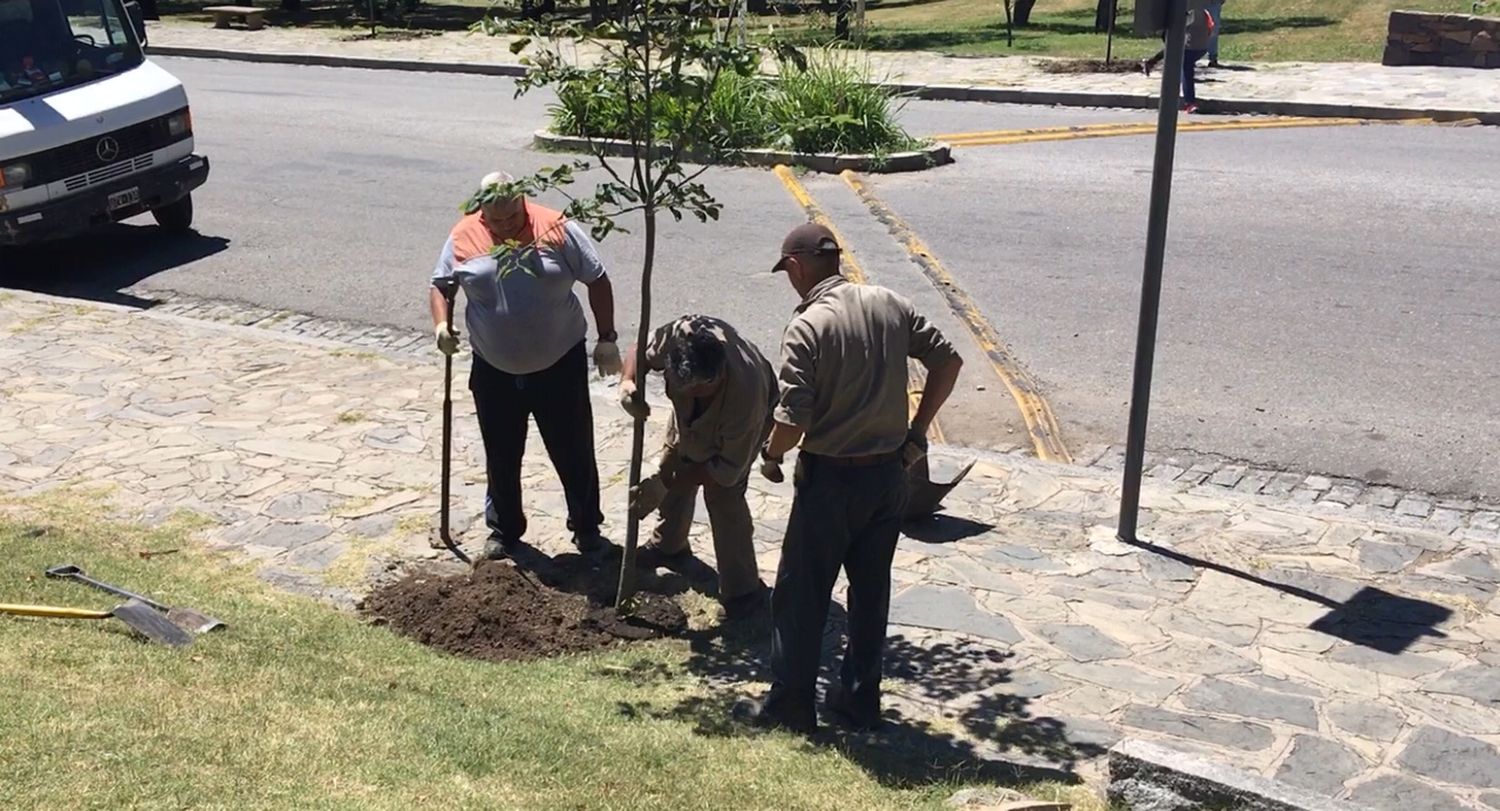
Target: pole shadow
x=1371, y=617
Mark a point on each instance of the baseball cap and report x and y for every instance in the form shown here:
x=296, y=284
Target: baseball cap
x=808, y=239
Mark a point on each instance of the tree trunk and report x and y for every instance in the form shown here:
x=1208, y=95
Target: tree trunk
x=292, y=6
x=1101, y=15
x=841, y=22
x=1023, y=12
x=597, y=10
x=638, y=428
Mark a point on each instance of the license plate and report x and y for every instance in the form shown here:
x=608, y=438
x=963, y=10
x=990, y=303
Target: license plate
x=121, y=199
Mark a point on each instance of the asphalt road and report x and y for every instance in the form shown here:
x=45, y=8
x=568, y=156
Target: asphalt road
x=1331, y=299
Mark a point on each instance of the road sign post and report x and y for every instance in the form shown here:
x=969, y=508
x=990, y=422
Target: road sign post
x=1153, y=16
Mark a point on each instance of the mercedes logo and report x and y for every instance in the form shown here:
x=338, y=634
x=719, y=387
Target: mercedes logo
x=107, y=149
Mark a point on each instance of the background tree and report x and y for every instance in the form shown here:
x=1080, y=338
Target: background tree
x=657, y=65
x=1022, y=10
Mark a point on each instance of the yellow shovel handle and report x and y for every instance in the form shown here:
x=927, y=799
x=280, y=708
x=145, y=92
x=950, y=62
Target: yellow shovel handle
x=54, y=611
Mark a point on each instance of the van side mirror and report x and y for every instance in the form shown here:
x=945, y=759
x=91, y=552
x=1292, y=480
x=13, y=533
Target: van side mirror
x=137, y=19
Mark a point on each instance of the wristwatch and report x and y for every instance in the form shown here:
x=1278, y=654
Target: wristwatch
x=609, y=337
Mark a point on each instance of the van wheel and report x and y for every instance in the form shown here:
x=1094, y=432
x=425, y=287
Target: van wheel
x=177, y=217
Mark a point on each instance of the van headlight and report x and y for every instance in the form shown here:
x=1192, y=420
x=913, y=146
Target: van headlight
x=180, y=123
x=14, y=175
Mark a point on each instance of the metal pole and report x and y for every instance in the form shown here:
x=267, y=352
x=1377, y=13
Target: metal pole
x=1109, y=42
x=1156, y=244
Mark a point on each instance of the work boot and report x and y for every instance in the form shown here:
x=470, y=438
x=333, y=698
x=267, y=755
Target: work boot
x=746, y=605
x=652, y=556
x=844, y=712
x=752, y=712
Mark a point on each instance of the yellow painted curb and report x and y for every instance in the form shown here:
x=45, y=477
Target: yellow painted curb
x=1041, y=423
x=856, y=273
x=1026, y=136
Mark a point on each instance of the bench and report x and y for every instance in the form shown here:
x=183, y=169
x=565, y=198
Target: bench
x=255, y=18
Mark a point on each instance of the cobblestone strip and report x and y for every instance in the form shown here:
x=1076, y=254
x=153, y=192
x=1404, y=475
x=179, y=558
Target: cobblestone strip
x=1459, y=517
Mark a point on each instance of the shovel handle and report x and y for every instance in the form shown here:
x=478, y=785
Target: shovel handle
x=75, y=573
x=55, y=612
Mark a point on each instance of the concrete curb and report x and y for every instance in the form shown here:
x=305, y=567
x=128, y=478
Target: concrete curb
x=932, y=156
x=927, y=92
x=331, y=61
x=1146, y=776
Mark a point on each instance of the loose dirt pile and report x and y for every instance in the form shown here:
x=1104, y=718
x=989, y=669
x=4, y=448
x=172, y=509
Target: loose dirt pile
x=498, y=613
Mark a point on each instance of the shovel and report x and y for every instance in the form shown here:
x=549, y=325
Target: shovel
x=141, y=617
x=923, y=495
x=187, y=619
x=447, y=472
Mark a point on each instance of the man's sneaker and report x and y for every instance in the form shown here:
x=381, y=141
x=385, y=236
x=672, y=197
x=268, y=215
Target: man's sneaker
x=1190, y=108
x=494, y=549
x=497, y=547
x=753, y=713
x=652, y=556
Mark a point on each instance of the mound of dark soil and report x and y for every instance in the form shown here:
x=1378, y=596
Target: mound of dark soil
x=498, y=613
x=1090, y=66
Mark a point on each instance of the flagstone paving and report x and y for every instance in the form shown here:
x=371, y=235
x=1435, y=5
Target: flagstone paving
x=1350, y=657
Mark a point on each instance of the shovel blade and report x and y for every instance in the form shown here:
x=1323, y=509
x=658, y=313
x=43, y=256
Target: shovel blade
x=193, y=621
x=923, y=495
x=149, y=622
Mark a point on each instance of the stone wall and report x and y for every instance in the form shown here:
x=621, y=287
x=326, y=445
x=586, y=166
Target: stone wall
x=1446, y=40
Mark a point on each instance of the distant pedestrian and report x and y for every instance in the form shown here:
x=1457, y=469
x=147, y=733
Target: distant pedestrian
x=844, y=397
x=1216, y=13
x=516, y=263
x=722, y=389
x=1201, y=34
x=1201, y=27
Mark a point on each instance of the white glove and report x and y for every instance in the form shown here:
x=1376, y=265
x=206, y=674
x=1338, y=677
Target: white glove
x=647, y=496
x=607, y=358
x=635, y=408
x=447, y=339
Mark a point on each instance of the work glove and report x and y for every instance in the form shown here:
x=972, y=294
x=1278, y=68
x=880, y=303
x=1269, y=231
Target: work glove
x=914, y=449
x=447, y=339
x=635, y=408
x=647, y=496
x=607, y=358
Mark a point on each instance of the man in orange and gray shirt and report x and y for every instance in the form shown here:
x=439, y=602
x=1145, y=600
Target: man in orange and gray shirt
x=517, y=263
x=844, y=397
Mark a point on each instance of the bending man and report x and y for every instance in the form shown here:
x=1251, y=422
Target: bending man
x=722, y=389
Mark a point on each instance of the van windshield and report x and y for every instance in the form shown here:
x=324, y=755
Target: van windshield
x=46, y=45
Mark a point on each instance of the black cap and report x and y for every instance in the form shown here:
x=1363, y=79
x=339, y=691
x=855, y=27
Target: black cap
x=808, y=239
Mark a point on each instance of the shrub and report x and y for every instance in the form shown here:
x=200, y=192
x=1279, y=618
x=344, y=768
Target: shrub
x=828, y=105
x=831, y=105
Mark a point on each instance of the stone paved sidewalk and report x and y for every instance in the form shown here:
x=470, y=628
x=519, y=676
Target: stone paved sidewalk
x=1349, y=657
x=1333, y=83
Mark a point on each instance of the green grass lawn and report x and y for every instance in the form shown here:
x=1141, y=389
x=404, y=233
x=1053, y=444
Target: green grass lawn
x=1254, y=30
x=300, y=706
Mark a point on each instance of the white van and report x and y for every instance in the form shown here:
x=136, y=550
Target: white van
x=91, y=132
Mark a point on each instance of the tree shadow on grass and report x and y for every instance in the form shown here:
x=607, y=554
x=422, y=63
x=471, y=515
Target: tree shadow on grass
x=995, y=738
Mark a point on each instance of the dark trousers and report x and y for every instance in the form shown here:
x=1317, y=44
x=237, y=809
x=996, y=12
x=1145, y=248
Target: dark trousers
x=558, y=397
x=846, y=517
x=1189, y=63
